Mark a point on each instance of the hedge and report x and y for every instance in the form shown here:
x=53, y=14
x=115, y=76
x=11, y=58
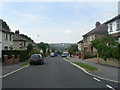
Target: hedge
x=22, y=53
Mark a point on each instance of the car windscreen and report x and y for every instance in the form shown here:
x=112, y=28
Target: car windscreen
x=35, y=56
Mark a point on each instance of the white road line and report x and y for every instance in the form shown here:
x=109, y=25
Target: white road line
x=110, y=87
x=96, y=79
x=13, y=71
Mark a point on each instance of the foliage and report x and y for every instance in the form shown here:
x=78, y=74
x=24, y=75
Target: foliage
x=22, y=53
x=106, y=47
x=4, y=25
x=43, y=46
x=53, y=49
x=25, y=36
x=29, y=47
x=73, y=49
x=33, y=51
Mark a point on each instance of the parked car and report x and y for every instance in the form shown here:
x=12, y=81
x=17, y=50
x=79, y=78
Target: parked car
x=36, y=59
x=64, y=55
x=52, y=54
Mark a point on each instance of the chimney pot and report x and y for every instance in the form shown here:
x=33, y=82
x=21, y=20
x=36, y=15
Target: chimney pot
x=97, y=24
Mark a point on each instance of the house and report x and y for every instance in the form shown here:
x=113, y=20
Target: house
x=114, y=27
x=7, y=39
x=20, y=43
x=99, y=31
x=80, y=45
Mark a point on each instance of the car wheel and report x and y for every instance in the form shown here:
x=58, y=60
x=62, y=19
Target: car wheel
x=30, y=63
x=43, y=62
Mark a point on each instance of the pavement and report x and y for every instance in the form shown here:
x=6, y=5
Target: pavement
x=9, y=68
x=105, y=71
x=55, y=73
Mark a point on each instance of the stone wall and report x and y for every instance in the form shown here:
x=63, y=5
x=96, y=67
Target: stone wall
x=111, y=62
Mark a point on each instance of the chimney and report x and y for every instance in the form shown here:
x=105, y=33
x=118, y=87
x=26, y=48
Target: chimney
x=17, y=32
x=97, y=24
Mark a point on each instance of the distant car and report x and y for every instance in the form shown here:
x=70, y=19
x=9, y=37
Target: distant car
x=52, y=54
x=36, y=59
x=64, y=55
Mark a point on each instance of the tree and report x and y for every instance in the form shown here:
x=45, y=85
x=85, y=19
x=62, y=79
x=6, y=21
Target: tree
x=72, y=49
x=4, y=25
x=43, y=46
x=29, y=47
x=105, y=47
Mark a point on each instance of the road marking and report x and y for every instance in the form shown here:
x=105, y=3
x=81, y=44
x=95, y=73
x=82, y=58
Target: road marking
x=91, y=74
x=13, y=71
x=96, y=79
x=110, y=87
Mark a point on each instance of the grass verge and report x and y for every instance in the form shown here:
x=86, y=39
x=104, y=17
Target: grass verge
x=67, y=58
x=86, y=66
x=25, y=64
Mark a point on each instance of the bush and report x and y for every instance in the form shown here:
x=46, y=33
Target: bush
x=22, y=53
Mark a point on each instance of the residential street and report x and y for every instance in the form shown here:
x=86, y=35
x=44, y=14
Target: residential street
x=55, y=73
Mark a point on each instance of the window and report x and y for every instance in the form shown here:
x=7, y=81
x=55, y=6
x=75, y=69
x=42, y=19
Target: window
x=6, y=48
x=24, y=43
x=111, y=28
x=10, y=37
x=118, y=25
x=6, y=36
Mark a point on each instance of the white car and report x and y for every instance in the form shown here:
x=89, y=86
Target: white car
x=52, y=54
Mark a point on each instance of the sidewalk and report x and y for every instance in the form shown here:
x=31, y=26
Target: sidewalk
x=9, y=68
x=107, y=72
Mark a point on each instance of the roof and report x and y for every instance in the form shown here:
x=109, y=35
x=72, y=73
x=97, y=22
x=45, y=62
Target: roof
x=17, y=37
x=113, y=19
x=81, y=41
x=102, y=29
x=6, y=31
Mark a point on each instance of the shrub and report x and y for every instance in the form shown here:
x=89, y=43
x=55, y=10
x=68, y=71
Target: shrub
x=22, y=53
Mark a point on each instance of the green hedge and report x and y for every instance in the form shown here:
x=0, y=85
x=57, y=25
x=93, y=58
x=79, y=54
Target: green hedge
x=23, y=54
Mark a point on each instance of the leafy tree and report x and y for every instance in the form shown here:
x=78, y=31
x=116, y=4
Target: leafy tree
x=53, y=49
x=106, y=47
x=29, y=47
x=25, y=36
x=4, y=25
x=73, y=49
x=43, y=46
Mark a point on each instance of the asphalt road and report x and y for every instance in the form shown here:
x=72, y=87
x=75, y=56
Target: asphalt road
x=55, y=73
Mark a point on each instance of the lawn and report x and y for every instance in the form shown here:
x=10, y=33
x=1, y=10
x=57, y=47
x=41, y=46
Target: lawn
x=86, y=66
x=67, y=58
x=25, y=64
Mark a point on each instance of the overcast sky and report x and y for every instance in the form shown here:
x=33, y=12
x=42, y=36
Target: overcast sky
x=53, y=22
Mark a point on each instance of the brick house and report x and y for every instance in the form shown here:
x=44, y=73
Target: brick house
x=99, y=31
x=114, y=27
